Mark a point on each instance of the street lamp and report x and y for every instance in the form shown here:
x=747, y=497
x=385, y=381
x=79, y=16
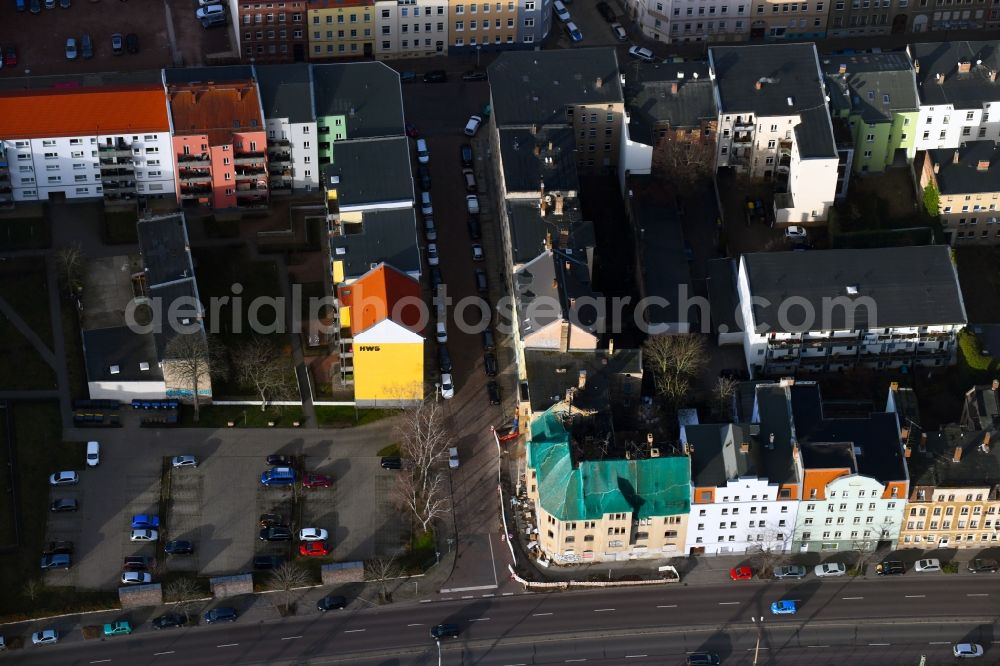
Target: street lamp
x=759, y=622
x=478, y=49
x=438, y=641
x=437, y=391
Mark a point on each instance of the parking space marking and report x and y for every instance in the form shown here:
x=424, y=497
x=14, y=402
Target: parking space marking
x=540, y=614
x=101, y=661
x=940, y=643
x=669, y=606
x=817, y=646
x=157, y=654
x=728, y=603
x=604, y=610
x=978, y=594
x=415, y=624
x=290, y=638
x=571, y=661
x=880, y=644
x=635, y=656
x=479, y=619
x=228, y=645
x=850, y=598
x=354, y=631
x=915, y=596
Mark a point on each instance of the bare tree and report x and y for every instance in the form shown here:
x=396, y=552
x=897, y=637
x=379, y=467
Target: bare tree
x=865, y=547
x=183, y=592
x=286, y=578
x=32, y=588
x=70, y=263
x=191, y=359
x=259, y=363
x=684, y=160
x=381, y=570
x=425, y=498
x=769, y=550
x=424, y=441
x=725, y=388
x=674, y=361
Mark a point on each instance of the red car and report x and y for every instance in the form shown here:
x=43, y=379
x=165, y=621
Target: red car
x=313, y=549
x=740, y=573
x=10, y=56
x=411, y=131
x=316, y=481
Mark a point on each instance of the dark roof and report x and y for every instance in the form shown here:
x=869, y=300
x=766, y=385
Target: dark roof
x=789, y=78
x=772, y=411
x=89, y=80
x=286, y=91
x=105, y=347
x=547, y=156
x=552, y=373
x=965, y=176
x=367, y=94
x=933, y=462
x=875, y=85
x=982, y=407
x=163, y=244
x=371, y=171
x=535, y=87
x=169, y=294
x=552, y=279
x=723, y=297
x=223, y=74
x=650, y=100
x=388, y=236
x=665, y=270
x=529, y=229
x=964, y=91
x=909, y=286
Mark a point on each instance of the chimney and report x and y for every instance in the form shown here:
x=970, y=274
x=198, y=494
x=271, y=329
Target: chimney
x=770, y=441
x=581, y=382
x=964, y=66
x=937, y=168
x=996, y=384
x=904, y=433
x=843, y=68
x=983, y=165
x=759, y=84
x=916, y=66
x=744, y=447
x=954, y=158
x=611, y=347
x=566, y=265
x=559, y=204
x=537, y=150
x=599, y=82
x=939, y=77
x=534, y=130
x=893, y=386
x=649, y=439
x=985, y=446
x=907, y=452
x=550, y=146
x=674, y=87
x=957, y=457
x=543, y=207
x=548, y=241
x=555, y=283
x=923, y=442
x=993, y=75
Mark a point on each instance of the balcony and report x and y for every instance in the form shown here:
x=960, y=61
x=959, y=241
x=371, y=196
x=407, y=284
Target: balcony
x=279, y=142
x=193, y=196
x=250, y=157
x=201, y=159
x=119, y=186
x=251, y=170
x=120, y=149
x=742, y=137
x=281, y=158
x=281, y=188
x=113, y=164
x=195, y=177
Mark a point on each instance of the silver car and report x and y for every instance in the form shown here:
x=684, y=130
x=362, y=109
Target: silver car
x=71, y=48
x=830, y=569
x=184, y=461
x=790, y=571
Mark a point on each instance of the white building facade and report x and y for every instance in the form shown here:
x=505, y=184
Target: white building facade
x=411, y=28
x=671, y=21
x=745, y=516
x=944, y=126
x=854, y=512
x=292, y=153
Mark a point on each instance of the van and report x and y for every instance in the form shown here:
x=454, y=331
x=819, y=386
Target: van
x=278, y=476
x=422, y=155
x=93, y=454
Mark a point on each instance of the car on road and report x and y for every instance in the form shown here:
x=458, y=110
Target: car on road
x=56, y=561
x=436, y=76
x=889, y=568
x=440, y=631
x=559, y=9
x=68, y=478
x=493, y=392
x=466, y=153
x=280, y=460
x=179, y=547
x=132, y=43
x=475, y=230
x=979, y=565
x=313, y=534
x=331, y=602
x=444, y=359
x=93, y=454
x=441, y=331
x=221, y=614
x=703, y=659
x=432, y=254
x=472, y=204
x=967, y=650
x=184, y=461
x=619, y=32
x=605, y=10
x=267, y=562
x=117, y=43
x=58, y=548
x=169, y=621
x=136, y=578
x=447, y=386
x=574, y=33
x=830, y=569
x=931, y=564
x=741, y=573
x=269, y=519
x=795, y=233
x=314, y=480
x=144, y=535
x=784, y=607
x=119, y=628
x=474, y=75
x=453, y=461
x=482, y=284
x=472, y=127
x=391, y=462
x=489, y=342
x=426, y=205
x=314, y=549
x=642, y=53
x=477, y=252
x=425, y=177
x=63, y=504
x=45, y=637
x=789, y=571
x=144, y=521
x=10, y=57
x=407, y=77
x=490, y=365
x=436, y=278
x=276, y=533
x=423, y=156
x=137, y=563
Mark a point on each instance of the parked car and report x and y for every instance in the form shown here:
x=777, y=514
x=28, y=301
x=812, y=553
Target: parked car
x=430, y=231
x=138, y=563
x=330, y=602
x=143, y=521
x=474, y=75
x=184, y=461
x=477, y=252
x=169, y=621
x=267, y=562
x=136, y=578
x=482, y=284
x=313, y=549
x=56, y=561
x=117, y=43
x=490, y=365
x=469, y=176
x=58, y=548
x=144, y=535
x=559, y=9
x=45, y=637
x=472, y=204
x=619, y=32
x=269, y=519
x=830, y=569
x=86, y=47
x=276, y=533
x=967, y=650
x=453, y=461
x=63, y=504
x=209, y=13
x=36, y=6
x=441, y=332
x=604, y=10
x=741, y=573
x=278, y=476
x=221, y=614
x=436, y=76
x=784, y=607
x=10, y=56
x=178, y=547
x=466, y=152
x=789, y=571
x=280, y=460
x=407, y=77
x=93, y=454
x=931, y=564
x=703, y=659
x=889, y=568
x=493, y=392
x=432, y=254
x=795, y=233
x=440, y=631
x=983, y=566
x=475, y=231
x=391, y=462
x=314, y=480
x=447, y=386
x=132, y=43
x=573, y=32
x=444, y=359
x=642, y=53
x=436, y=278
x=68, y=478
x=313, y=534
x=423, y=156
x=426, y=205
x=424, y=174
x=411, y=130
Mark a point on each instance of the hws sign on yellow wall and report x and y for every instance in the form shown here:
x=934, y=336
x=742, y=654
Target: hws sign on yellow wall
x=369, y=348
x=389, y=371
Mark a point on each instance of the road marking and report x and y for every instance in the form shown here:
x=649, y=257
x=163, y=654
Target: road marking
x=847, y=598
x=728, y=603
x=448, y=599
x=817, y=646
x=467, y=596
x=353, y=631
x=915, y=596
x=479, y=619
x=415, y=624
x=540, y=614
x=100, y=661
x=635, y=656
x=571, y=661
x=980, y=594
x=290, y=638
x=603, y=610
x=880, y=644
x=487, y=595
x=228, y=645
x=940, y=643
x=476, y=588
x=157, y=654
x=426, y=601
x=507, y=594
x=752, y=649
x=670, y=606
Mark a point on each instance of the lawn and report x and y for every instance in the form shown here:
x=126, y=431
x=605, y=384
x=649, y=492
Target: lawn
x=23, y=285
x=347, y=417
x=24, y=233
x=120, y=226
x=420, y=555
x=249, y=416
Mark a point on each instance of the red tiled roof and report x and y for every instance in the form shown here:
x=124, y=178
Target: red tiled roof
x=82, y=111
x=373, y=296
x=217, y=110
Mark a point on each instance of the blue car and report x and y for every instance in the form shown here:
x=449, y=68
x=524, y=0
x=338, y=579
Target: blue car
x=784, y=607
x=574, y=33
x=144, y=522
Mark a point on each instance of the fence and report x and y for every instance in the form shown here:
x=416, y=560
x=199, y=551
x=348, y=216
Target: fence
x=568, y=584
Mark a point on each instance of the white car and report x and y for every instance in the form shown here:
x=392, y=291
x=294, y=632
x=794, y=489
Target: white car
x=432, y=254
x=472, y=126
x=472, y=204
x=313, y=534
x=45, y=637
x=967, y=650
x=830, y=569
x=795, y=233
x=453, y=457
x=93, y=454
x=619, y=31
x=71, y=48
x=209, y=11
x=931, y=564
x=422, y=155
x=425, y=203
x=429, y=231
x=477, y=252
x=144, y=535
x=184, y=461
x=136, y=578
x=642, y=53
x=447, y=387
x=68, y=478
x=561, y=12
x=442, y=333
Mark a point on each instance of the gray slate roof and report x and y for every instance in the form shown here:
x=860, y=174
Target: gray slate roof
x=650, y=100
x=536, y=86
x=964, y=91
x=544, y=287
x=524, y=171
x=367, y=94
x=372, y=171
x=551, y=373
x=388, y=236
x=965, y=176
x=222, y=74
x=286, y=91
x=787, y=72
x=529, y=229
x=163, y=244
x=723, y=297
x=665, y=270
x=869, y=80
x=105, y=347
x=910, y=286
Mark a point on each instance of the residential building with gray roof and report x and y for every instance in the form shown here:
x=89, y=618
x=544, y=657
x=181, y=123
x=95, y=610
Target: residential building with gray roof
x=967, y=179
x=288, y=99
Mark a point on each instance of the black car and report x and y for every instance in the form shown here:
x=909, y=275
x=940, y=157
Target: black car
x=436, y=278
x=169, y=621
x=407, y=77
x=466, y=155
x=425, y=177
x=276, y=533
x=474, y=75
x=267, y=562
x=436, y=76
x=482, y=284
x=269, y=519
x=221, y=614
x=490, y=365
x=444, y=359
x=178, y=547
x=132, y=42
x=440, y=631
x=475, y=232
x=330, y=602
x=493, y=390
x=279, y=460
x=391, y=463
x=58, y=548
x=604, y=10
x=983, y=566
x=889, y=568
x=489, y=344
x=703, y=659
x=63, y=504
x=138, y=563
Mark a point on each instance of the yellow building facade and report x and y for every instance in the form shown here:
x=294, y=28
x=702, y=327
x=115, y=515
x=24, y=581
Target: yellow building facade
x=341, y=29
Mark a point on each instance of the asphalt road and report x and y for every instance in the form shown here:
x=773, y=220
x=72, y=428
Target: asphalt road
x=876, y=622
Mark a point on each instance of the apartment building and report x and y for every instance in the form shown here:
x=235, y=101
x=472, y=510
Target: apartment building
x=287, y=95
x=780, y=19
x=414, y=29
x=340, y=29
x=474, y=26
x=850, y=18
x=968, y=182
x=218, y=135
x=935, y=15
x=704, y=20
x=830, y=310
x=774, y=125
x=876, y=94
x=270, y=32
x=603, y=510
x=959, y=93
x=109, y=142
